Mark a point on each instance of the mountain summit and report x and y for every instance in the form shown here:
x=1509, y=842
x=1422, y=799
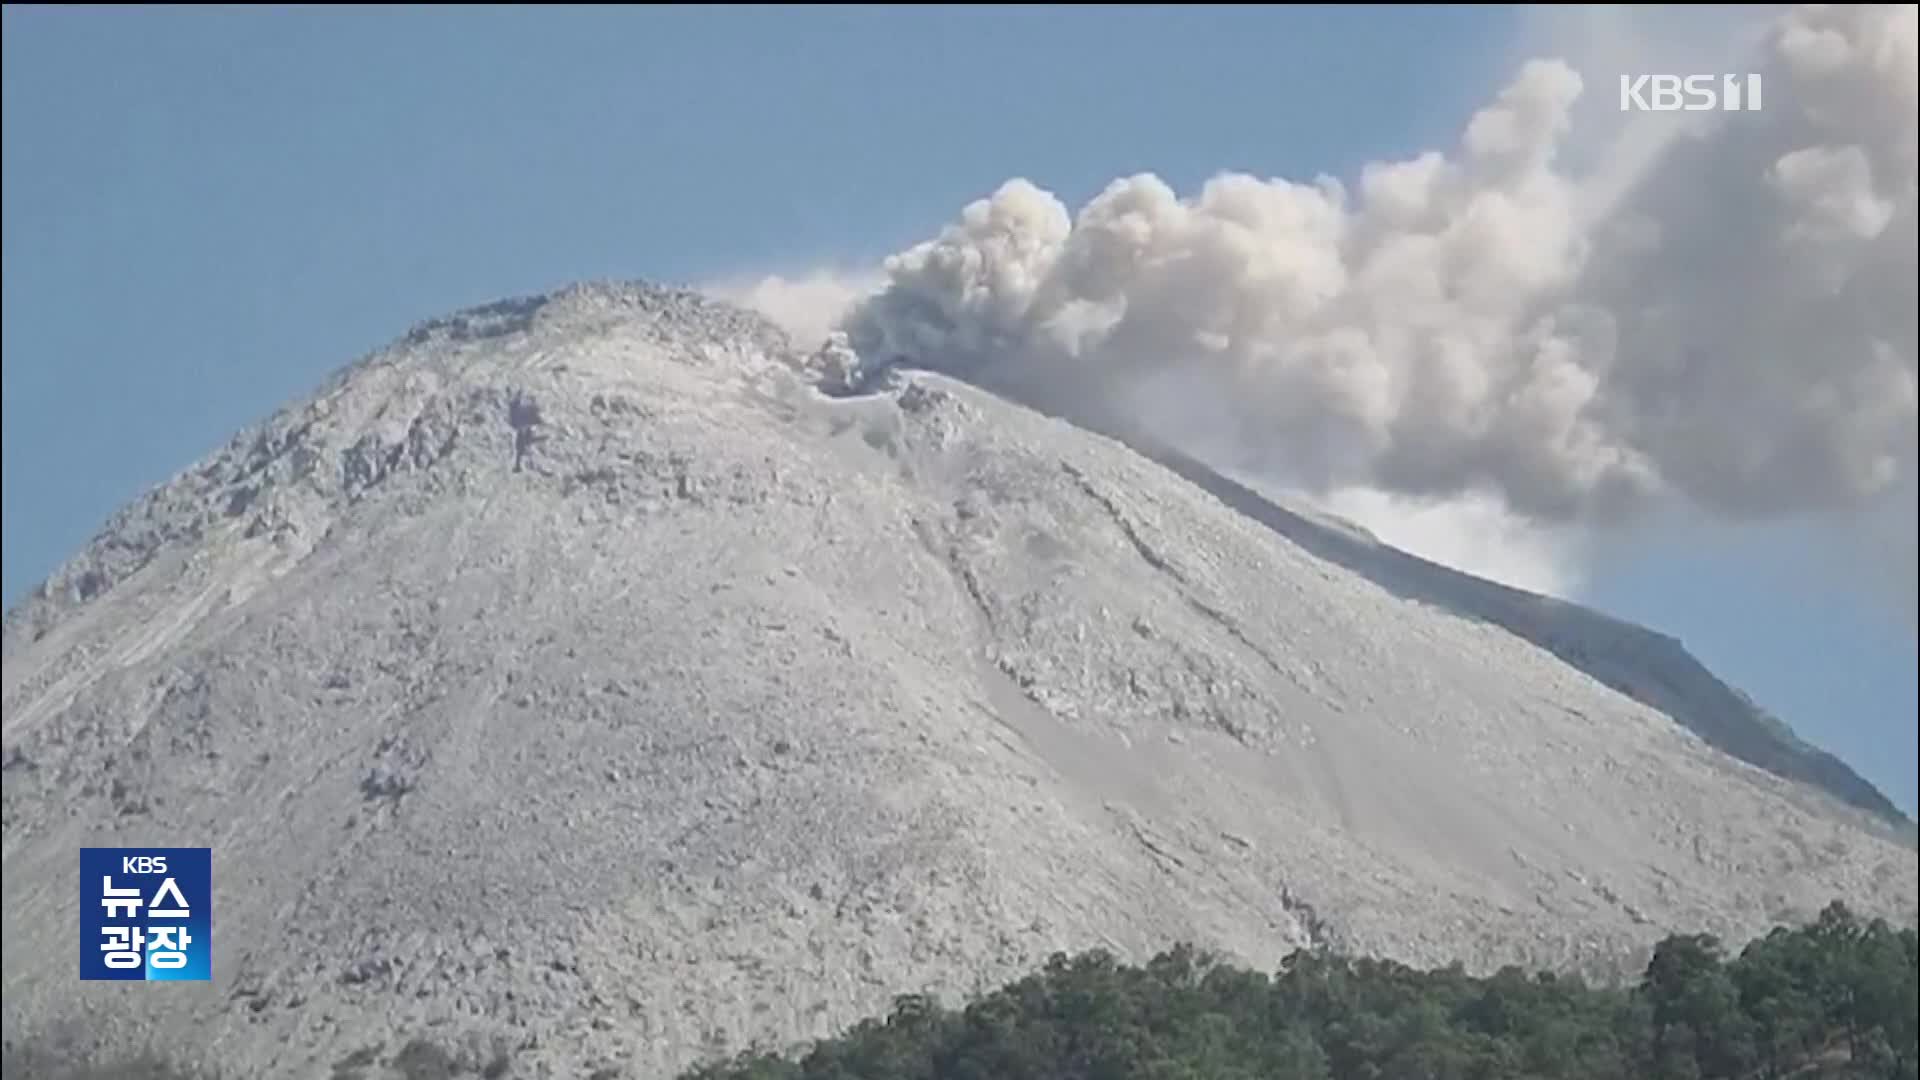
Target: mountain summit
x=575, y=682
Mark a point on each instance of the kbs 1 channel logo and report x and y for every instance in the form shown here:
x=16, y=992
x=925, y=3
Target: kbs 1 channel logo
x=146, y=914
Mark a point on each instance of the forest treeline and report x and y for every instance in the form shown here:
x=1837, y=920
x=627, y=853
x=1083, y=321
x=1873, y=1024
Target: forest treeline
x=1835, y=998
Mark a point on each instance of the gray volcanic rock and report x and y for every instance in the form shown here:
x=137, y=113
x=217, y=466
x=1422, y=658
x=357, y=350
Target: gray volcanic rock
x=575, y=686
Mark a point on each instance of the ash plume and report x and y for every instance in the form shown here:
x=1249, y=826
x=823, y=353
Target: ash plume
x=1730, y=328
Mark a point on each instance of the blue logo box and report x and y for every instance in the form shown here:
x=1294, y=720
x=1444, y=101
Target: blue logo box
x=146, y=914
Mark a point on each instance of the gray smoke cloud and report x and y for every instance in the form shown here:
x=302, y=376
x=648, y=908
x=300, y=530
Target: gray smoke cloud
x=1727, y=318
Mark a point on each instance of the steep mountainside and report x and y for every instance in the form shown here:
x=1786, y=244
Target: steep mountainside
x=575, y=676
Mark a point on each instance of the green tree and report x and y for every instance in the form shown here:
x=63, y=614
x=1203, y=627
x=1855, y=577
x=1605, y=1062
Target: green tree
x=1696, y=1011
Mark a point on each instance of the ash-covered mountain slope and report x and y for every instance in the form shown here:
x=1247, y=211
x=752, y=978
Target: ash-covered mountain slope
x=574, y=680
x=1652, y=668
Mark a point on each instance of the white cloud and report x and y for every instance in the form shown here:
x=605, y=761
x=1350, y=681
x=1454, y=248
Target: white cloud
x=807, y=306
x=1474, y=533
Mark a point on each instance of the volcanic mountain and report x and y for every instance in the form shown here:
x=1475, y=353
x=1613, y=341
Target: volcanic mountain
x=585, y=684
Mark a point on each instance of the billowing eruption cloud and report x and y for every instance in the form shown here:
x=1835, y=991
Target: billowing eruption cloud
x=1733, y=328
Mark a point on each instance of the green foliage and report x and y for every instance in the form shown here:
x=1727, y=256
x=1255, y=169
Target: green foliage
x=1836, y=999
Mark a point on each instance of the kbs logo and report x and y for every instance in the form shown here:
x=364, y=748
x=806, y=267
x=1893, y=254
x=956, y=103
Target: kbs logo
x=1691, y=93
x=145, y=914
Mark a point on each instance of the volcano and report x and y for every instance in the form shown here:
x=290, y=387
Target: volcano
x=588, y=684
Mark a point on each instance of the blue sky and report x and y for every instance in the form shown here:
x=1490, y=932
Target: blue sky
x=205, y=212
